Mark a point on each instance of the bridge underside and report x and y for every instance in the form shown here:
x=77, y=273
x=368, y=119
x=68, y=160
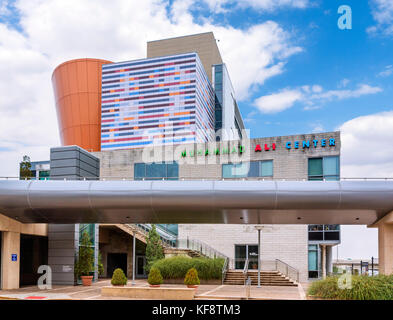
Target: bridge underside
x=251, y=202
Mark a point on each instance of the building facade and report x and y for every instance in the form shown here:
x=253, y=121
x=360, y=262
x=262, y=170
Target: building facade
x=299, y=157
x=156, y=101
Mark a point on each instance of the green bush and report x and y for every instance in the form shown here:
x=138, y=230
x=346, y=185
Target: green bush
x=155, y=276
x=177, y=267
x=119, y=278
x=192, y=277
x=363, y=288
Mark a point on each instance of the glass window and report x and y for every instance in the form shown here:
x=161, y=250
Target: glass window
x=330, y=166
x=155, y=170
x=248, y=169
x=266, y=168
x=172, y=170
x=315, y=168
x=228, y=171
x=313, y=258
x=139, y=170
x=254, y=169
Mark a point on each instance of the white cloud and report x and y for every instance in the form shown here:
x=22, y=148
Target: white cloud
x=312, y=96
x=382, y=12
x=365, y=152
x=55, y=31
x=386, y=72
x=264, y=5
x=278, y=102
x=366, y=146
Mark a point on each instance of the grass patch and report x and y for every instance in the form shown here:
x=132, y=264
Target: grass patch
x=363, y=288
x=177, y=267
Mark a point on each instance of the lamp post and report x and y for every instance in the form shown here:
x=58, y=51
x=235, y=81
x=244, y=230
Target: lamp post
x=133, y=259
x=259, y=228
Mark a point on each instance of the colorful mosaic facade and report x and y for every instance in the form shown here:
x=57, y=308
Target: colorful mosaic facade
x=166, y=100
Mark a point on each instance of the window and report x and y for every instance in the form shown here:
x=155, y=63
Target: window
x=248, y=169
x=324, y=232
x=156, y=171
x=313, y=261
x=327, y=168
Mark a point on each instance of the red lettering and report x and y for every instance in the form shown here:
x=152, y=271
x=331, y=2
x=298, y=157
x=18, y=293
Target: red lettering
x=274, y=146
x=258, y=148
x=266, y=148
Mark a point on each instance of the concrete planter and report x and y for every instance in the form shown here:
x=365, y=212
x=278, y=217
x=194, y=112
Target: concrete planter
x=149, y=293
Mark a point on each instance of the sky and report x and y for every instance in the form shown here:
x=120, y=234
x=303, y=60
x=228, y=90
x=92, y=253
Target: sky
x=293, y=69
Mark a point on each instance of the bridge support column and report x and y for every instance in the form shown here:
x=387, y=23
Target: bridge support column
x=10, y=260
x=385, y=243
x=385, y=248
x=323, y=261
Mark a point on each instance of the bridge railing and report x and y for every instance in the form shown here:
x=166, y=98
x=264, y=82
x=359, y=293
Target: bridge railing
x=217, y=178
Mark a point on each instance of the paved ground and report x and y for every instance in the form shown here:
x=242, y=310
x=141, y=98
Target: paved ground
x=203, y=292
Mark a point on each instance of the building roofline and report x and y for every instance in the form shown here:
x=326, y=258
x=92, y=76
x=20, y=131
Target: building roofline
x=190, y=35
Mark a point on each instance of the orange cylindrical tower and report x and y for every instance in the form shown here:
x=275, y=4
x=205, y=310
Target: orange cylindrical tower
x=77, y=89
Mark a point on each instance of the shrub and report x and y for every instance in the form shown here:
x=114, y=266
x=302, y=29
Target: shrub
x=192, y=277
x=85, y=261
x=119, y=278
x=363, y=288
x=154, y=250
x=155, y=276
x=177, y=267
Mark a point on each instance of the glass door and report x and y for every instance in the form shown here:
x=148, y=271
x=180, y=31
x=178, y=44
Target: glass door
x=244, y=251
x=140, y=267
x=240, y=256
x=252, y=256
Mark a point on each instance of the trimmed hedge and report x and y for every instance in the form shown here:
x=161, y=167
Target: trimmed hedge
x=363, y=288
x=177, y=267
x=192, y=277
x=155, y=277
x=119, y=278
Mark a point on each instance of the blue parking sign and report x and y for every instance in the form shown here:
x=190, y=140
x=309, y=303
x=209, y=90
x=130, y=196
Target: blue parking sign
x=14, y=257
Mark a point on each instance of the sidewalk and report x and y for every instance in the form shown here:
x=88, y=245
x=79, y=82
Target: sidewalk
x=203, y=292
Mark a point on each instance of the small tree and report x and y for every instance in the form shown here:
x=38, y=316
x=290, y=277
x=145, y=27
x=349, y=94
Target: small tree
x=119, y=278
x=25, y=168
x=154, y=250
x=155, y=276
x=85, y=261
x=192, y=277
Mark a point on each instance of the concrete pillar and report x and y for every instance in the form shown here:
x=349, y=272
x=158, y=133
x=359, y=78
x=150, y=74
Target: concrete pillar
x=323, y=261
x=10, y=269
x=385, y=248
x=329, y=259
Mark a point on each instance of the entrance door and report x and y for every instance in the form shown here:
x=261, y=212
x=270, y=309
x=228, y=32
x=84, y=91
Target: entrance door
x=114, y=261
x=244, y=251
x=140, y=267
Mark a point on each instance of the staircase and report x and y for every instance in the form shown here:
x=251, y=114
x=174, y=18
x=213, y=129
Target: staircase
x=268, y=278
x=169, y=243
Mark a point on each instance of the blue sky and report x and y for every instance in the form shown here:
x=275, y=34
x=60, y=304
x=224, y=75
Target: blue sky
x=294, y=71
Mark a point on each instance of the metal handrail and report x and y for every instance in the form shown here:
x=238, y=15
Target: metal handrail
x=195, y=178
x=287, y=269
x=224, y=270
x=245, y=271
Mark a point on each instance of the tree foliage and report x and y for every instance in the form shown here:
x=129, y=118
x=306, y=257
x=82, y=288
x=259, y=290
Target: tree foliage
x=154, y=249
x=84, y=265
x=25, y=168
